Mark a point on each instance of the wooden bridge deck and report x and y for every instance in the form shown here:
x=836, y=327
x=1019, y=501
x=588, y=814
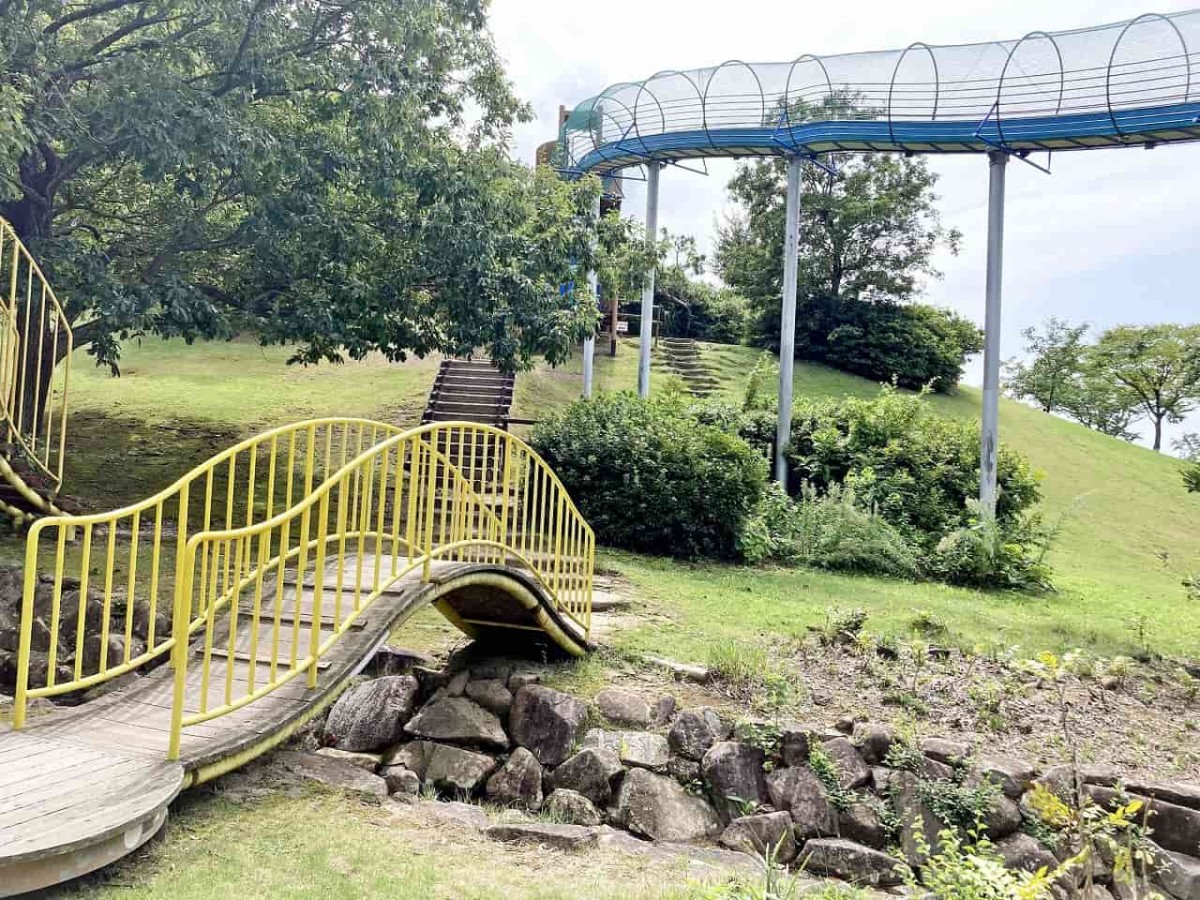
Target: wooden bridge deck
x=83, y=786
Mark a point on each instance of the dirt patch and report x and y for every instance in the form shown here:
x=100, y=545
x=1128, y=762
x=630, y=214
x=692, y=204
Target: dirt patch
x=1142, y=718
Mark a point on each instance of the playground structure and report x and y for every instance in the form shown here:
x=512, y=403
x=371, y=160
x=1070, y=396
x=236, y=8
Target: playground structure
x=262, y=581
x=1133, y=83
x=34, y=336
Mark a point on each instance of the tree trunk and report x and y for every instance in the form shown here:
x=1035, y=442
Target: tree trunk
x=1158, y=420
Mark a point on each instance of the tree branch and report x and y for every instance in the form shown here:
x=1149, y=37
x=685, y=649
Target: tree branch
x=87, y=12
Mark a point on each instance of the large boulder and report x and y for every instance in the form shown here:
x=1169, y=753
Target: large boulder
x=400, y=781
x=333, y=772
x=1175, y=827
x=546, y=722
x=1020, y=851
x=873, y=742
x=734, y=773
x=851, y=862
x=1002, y=817
x=1167, y=791
x=794, y=743
x=1178, y=874
x=457, y=720
x=590, y=773
x=368, y=762
x=695, y=730
x=862, y=823
x=919, y=827
x=371, y=716
x=852, y=771
x=1013, y=776
x=518, y=782
x=768, y=835
x=657, y=807
x=413, y=756
x=456, y=771
x=560, y=837
x=624, y=707
x=572, y=808
x=491, y=694
x=798, y=791
x=643, y=749
x=944, y=750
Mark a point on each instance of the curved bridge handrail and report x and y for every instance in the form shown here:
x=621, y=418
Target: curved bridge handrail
x=143, y=547
x=457, y=491
x=35, y=327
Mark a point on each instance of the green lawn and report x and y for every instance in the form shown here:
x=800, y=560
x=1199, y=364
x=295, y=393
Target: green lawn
x=1122, y=507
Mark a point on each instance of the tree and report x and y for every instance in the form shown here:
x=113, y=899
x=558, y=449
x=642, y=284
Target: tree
x=325, y=172
x=1098, y=404
x=869, y=232
x=1158, y=365
x=1055, y=358
x=1187, y=446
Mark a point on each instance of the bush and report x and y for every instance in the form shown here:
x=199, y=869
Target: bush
x=650, y=476
x=916, y=469
x=826, y=532
x=914, y=345
x=994, y=554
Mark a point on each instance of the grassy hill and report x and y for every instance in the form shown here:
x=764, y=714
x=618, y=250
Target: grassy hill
x=1122, y=508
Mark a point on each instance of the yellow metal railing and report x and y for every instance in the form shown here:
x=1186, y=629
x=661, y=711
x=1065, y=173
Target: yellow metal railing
x=71, y=639
x=260, y=592
x=34, y=335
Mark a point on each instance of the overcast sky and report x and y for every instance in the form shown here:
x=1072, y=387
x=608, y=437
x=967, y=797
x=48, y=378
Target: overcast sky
x=1111, y=236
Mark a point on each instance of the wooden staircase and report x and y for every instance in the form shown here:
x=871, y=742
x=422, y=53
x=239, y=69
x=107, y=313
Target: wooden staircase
x=683, y=359
x=471, y=390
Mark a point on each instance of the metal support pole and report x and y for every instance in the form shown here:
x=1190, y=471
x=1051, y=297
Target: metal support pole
x=997, y=161
x=647, y=324
x=589, y=342
x=787, y=326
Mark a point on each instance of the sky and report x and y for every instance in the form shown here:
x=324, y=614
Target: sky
x=1112, y=236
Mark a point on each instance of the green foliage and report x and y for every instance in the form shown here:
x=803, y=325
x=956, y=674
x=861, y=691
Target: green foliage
x=917, y=470
x=914, y=345
x=829, y=531
x=827, y=773
x=749, y=673
x=649, y=476
x=1191, y=478
x=1055, y=358
x=989, y=553
x=868, y=235
x=1157, y=366
x=328, y=176
x=695, y=309
x=974, y=871
x=957, y=805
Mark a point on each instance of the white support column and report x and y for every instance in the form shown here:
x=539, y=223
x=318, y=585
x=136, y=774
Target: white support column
x=787, y=326
x=647, y=323
x=997, y=162
x=589, y=342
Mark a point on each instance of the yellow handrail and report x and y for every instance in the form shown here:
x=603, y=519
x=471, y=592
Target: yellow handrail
x=361, y=501
x=142, y=546
x=34, y=330
x=455, y=491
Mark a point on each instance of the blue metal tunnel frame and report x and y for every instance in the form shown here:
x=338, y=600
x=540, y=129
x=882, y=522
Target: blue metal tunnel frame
x=1129, y=83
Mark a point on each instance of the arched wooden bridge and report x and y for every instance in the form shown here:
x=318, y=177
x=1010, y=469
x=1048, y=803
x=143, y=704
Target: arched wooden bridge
x=247, y=594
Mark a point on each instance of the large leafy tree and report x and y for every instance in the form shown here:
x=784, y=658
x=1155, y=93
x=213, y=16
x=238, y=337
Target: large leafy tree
x=326, y=172
x=869, y=233
x=1156, y=366
x=1054, y=358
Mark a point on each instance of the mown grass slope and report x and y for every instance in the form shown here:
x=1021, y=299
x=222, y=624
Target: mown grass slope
x=1121, y=508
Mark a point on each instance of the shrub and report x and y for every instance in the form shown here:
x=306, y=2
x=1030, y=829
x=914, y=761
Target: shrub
x=1191, y=478
x=914, y=344
x=916, y=469
x=994, y=554
x=650, y=476
x=827, y=531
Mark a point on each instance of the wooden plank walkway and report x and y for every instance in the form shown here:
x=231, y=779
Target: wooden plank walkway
x=83, y=786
